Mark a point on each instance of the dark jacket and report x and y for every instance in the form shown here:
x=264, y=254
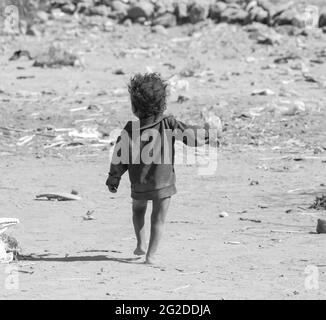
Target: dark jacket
x=150, y=160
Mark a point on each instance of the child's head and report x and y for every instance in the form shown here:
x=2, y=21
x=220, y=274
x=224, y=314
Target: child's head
x=148, y=95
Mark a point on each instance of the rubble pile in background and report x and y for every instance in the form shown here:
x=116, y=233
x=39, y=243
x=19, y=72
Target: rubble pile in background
x=168, y=13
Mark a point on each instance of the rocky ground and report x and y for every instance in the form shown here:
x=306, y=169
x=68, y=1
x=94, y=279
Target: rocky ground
x=63, y=95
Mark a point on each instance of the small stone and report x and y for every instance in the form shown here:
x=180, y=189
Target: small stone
x=127, y=23
x=223, y=214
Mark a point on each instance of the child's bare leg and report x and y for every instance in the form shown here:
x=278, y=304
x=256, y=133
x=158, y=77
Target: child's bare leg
x=138, y=217
x=160, y=209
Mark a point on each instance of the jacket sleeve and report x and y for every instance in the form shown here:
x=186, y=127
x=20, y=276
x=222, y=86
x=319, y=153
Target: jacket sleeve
x=119, y=162
x=190, y=135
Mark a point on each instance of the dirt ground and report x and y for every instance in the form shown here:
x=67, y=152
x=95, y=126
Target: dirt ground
x=202, y=256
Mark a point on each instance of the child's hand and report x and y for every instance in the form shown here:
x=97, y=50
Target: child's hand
x=112, y=183
x=113, y=189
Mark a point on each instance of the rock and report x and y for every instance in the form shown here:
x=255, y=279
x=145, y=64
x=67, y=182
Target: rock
x=127, y=23
x=141, y=9
x=166, y=6
x=167, y=20
x=108, y=26
x=223, y=214
x=258, y=14
x=101, y=10
x=263, y=34
x=182, y=10
x=68, y=8
x=159, y=30
x=55, y=57
x=42, y=16
x=291, y=17
x=216, y=9
x=322, y=19
x=119, y=9
x=235, y=15
x=32, y=30
x=198, y=12
x=262, y=92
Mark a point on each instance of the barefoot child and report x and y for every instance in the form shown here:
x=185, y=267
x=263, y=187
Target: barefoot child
x=150, y=162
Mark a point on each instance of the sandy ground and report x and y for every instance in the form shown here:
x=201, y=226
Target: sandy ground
x=202, y=256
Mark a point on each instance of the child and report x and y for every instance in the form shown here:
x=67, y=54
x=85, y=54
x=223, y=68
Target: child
x=152, y=179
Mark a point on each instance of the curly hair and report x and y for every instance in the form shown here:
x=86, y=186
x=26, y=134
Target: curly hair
x=148, y=94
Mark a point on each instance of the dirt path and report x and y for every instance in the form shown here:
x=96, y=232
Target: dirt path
x=203, y=256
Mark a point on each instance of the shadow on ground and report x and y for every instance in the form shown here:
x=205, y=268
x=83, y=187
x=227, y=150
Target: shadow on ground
x=48, y=258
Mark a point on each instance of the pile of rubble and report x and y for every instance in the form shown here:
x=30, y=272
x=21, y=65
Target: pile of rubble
x=169, y=13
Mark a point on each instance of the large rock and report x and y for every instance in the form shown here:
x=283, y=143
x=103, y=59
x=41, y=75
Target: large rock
x=119, y=10
x=141, y=9
x=164, y=6
x=322, y=19
x=291, y=17
x=216, y=10
x=68, y=8
x=182, y=9
x=234, y=14
x=258, y=13
x=198, y=11
x=167, y=20
x=101, y=10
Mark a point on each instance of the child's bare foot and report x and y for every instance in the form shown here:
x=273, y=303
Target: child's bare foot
x=150, y=260
x=139, y=251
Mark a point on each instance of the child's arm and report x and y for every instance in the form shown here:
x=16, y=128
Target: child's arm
x=117, y=168
x=193, y=135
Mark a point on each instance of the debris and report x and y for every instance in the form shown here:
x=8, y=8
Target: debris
x=178, y=85
x=11, y=246
x=89, y=215
x=232, y=242
x=55, y=57
x=262, y=92
x=25, y=140
x=119, y=71
x=8, y=245
x=223, y=214
x=287, y=231
x=321, y=226
x=159, y=29
x=5, y=223
x=57, y=197
x=19, y=54
x=251, y=220
x=319, y=204
x=286, y=58
x=212, y=121
x=182, y=99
